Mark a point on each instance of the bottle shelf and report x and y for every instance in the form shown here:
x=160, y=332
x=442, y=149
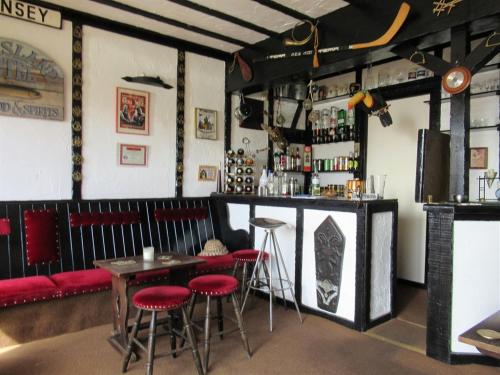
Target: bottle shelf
x=351, y=172
x=476, y=95
x=479, y=128
x=331, y=143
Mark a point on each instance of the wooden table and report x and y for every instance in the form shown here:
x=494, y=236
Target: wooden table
x=487, y=347
x=129, y=268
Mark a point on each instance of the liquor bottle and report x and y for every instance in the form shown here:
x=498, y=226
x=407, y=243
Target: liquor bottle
x=276, y=161
x=307, y=159
x=350, y=166
x=282, y=162
x=298, y=161
x=356, y=162
x=313, y=127
x=294, y=161
x=350, y=124
x=288, y=165
x=340, y=125
x=333, y=123
x=315, y=185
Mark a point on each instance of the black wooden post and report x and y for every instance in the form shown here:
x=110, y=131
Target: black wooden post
x=270, y=122
x=460, y=119
x=179, y=164
x=228, y=110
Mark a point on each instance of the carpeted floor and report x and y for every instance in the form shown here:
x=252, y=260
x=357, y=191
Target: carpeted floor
x=318, y=346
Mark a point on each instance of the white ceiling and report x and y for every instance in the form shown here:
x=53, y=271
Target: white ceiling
x=247, y=10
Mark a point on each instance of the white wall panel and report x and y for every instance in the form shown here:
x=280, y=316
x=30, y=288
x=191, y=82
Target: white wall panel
x=476, y=277
x=106, y=58
x=239, y=214
x=346, y=221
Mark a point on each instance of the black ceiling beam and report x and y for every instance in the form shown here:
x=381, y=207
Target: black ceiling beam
x=133, y=31
x=226, y=17
x=285, y=10
x=172, y=22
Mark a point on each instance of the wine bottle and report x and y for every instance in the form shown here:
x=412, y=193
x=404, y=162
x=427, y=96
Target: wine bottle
x=293, y=165
x=298, y=161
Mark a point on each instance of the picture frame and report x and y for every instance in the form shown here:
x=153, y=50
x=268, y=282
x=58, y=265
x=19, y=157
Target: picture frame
x=132, y=111
x=134, y=155
x=207, y=172
x=478, y=158
x=205, y=123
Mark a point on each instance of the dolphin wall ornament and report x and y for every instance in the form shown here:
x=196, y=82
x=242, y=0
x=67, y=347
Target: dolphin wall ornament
x=147, y=80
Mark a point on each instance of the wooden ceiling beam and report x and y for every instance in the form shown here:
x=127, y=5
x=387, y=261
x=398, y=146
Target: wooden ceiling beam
x=169, y=21
x=226, y=17
x=285, y=10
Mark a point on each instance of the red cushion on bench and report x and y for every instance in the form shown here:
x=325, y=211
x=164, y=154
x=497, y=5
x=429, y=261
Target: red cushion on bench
x=26, y=289
x=80, y=282
x=42, y=241
x=4, y=227
x=215, y=263
x=150, y=276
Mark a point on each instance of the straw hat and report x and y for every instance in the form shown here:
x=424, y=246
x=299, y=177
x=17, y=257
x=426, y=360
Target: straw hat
x=213, y=248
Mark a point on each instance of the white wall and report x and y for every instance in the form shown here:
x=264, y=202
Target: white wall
x=393, y=151
x=35, y=155
x=204, y=89
x=106, y=58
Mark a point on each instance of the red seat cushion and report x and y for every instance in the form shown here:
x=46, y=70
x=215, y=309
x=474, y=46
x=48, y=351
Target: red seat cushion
x=215, y=263
x=26, y=289
x=248, y=255
x=161, y=297
x=214, y=285
x=79, y=282
x=42, y=242
x=150, y=276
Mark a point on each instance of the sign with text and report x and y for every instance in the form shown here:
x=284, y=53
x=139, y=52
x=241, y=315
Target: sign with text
x=31, y=84
x=31, y=13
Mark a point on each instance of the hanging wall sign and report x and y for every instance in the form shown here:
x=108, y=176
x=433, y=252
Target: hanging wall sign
x=31, y=84
x=31, y=13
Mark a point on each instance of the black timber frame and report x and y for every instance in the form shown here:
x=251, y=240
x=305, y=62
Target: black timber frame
x=363, y=211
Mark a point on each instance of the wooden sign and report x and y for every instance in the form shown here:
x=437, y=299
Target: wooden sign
x=31, y=84
x=31, y=13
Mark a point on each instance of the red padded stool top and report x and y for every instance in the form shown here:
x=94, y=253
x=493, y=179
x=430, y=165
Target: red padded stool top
x=248, y=255
x=161, y=298
x=214, y=285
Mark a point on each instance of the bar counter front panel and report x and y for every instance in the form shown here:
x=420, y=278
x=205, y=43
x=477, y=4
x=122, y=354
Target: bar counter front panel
x=363, y=269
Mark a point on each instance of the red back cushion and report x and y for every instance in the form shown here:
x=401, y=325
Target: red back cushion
x=4, y=227
x=42, y=242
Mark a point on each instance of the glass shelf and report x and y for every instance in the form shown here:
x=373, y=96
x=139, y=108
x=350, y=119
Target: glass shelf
x=481, y=128
x=475, y=95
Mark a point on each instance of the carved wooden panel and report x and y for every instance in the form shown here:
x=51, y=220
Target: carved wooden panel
x=329, y=246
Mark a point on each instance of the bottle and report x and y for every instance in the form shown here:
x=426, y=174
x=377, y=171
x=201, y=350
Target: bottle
x=288, y=162
x=294, y=161
x=282, y=162
x=333, y=123
x=350, y=166
x=314, y=139
x=284, y=185
x=350, y=125
x=239, y=180
x=307, y=159
x=315, y=185
x=355, y=165
x=341, y=115
x=298, y=161
x=276, y=161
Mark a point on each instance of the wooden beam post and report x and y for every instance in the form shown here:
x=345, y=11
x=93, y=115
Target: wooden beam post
x=459, y=119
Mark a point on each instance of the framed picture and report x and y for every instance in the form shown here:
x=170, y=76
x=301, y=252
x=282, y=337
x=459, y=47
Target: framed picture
x=132, y=111
x=207, y=172
x=478, y=158
x=133, y=154
x=206, y=123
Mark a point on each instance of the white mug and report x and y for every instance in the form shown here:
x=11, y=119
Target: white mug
x=148, y=254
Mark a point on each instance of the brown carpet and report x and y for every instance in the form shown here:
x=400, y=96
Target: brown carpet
x=318, y=346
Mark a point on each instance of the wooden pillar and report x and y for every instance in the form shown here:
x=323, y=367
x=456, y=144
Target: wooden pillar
x=459, y=119
x=270, y=122
x=228, y=113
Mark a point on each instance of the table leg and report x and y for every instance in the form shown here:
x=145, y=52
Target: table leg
x=119, y=301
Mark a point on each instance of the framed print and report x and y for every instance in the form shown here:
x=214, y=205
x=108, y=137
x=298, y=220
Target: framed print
x=206, y=123
x=133, y=154
x=478, y=158
x=207, y=172
x=132, y=111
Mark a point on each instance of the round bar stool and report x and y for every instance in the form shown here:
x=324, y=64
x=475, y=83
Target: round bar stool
x=157, y=299
x=270, y=226
x=247, y=257
x=217, y=286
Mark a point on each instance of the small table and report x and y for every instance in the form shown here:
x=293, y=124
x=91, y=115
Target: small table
x=487, y=347
x=125, y=269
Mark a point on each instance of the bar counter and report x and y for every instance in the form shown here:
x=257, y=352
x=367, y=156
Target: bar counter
x=340, y=254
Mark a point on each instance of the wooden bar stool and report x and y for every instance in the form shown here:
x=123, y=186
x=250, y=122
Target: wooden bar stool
x=158, y=299
x=248, y=257
x=217, y=286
